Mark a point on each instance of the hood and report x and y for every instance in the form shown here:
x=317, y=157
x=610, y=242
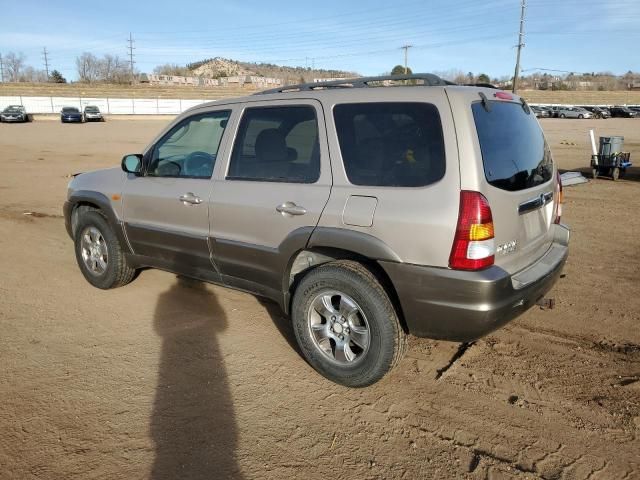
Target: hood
x=107, y=181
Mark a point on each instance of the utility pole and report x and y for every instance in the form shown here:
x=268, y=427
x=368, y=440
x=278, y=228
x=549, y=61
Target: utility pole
x=46, y=61
x=1, y=70
x=406, y=50
x=131, y=49
x=523, y=6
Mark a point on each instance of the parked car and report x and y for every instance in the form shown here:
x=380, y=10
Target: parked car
x=15, y=113
x=597, y=112
x=553, y=111
x=92, y=113
x=413, y=226
x=71, y=114
x=541, y=112
x=635, y=109
x=573, y=112
x=623, y=112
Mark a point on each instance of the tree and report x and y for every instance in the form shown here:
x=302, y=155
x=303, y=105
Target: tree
x=88, y=67
x=14, y=65
x=172, y=69
x=30, y=74
x=484, y=78
x=56, y=77
x=112, y=69
x=399, y=70
x=470, y=77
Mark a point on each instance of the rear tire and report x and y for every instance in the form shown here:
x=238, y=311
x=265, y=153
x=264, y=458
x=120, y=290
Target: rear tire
x=99, y=254
x=346, y=325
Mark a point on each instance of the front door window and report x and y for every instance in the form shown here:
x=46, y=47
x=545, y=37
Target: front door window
x=190, y=148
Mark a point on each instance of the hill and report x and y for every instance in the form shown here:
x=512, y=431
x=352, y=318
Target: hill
x=223, y=67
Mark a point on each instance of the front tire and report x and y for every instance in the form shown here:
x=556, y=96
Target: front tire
x=346, y=325
x=562, y=115
x=98, y=253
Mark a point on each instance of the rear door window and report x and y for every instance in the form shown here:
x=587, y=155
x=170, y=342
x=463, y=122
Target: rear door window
x=277, y=144
x=515, y=153
x=396, y=144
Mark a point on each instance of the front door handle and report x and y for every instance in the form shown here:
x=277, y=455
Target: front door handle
x=190, y=198
x=290, y=208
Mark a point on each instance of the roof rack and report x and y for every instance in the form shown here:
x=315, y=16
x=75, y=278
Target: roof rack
x=485, y=85
x=427, y=79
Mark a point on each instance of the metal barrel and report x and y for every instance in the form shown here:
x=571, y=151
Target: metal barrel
x=610, y=145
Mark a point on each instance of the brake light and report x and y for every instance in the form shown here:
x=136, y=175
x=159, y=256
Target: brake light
x=473, y=245
x=557, y=214
x=503, y=95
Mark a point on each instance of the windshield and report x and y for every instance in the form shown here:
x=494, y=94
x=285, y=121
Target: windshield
x=91, y=109
x=13, y=109
x=70, y=109
x=515, y=153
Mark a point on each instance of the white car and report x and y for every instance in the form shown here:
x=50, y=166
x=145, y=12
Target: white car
x=572, y=112
x=92, y=113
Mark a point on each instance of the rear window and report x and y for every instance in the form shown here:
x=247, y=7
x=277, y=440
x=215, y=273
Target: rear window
x=515, y=153
x=391, y=144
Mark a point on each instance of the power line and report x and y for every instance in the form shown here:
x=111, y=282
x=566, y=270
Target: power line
x=131, y=49
x=46, y=61
x=523, y=6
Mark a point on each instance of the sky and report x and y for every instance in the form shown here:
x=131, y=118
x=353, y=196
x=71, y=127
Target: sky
x=360, y=36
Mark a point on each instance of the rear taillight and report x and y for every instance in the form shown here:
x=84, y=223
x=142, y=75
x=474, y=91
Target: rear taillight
x=473, y=246
x=559, y=197
x=503, y=95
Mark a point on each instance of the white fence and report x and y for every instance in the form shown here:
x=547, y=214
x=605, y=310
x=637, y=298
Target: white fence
x=113, y=106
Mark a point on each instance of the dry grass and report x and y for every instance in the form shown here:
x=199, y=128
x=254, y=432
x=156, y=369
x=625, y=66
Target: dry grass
x=122, y=91
x=154, y=91
x=622, y=97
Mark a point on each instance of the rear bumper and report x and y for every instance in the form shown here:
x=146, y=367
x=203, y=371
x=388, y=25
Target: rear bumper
x=463, y=306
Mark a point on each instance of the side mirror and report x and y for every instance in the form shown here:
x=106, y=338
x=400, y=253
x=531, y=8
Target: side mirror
x=132, y=163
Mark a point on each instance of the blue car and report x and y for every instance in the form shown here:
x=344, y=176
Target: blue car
x=71, y=114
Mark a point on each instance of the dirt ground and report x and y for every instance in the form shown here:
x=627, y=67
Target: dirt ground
x=168, y=379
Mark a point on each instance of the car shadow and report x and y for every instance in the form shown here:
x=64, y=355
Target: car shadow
x=282, y=323
x=193, y=424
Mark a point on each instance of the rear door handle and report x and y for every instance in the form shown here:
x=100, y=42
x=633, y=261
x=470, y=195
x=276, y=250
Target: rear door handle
x=190, y=198
x=535, y=203
x=290, y=208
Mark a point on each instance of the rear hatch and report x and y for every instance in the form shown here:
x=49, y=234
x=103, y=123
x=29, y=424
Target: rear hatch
x=519, y=181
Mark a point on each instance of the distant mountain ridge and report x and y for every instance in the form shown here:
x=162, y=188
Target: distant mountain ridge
x=223, y=67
